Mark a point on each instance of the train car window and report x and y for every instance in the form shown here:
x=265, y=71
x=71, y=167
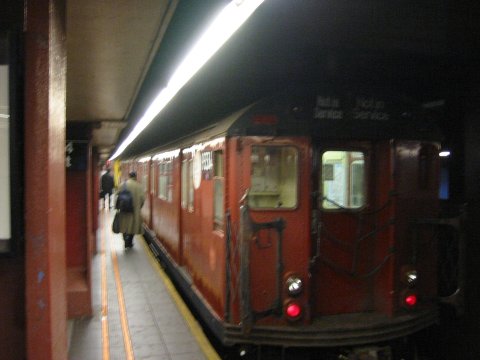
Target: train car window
x=218, y=191
x=274, y=177
x=187, y=185
x=145, y=176
x=161, y=181
x=343, y=179
x=165, y=181
x=184, y=184
x=191, y=190
x=170, y=181
x=152, y=178
x=357, y=196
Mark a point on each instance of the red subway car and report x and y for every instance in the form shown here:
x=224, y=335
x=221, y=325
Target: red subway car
x=298, y=221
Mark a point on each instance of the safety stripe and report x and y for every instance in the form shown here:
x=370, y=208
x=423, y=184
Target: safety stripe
x=121, y=307
x=104, y=290
x=195, y=328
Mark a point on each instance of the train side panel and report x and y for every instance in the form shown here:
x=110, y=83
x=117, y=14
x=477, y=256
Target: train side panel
x=202, y=220
x=166, y=203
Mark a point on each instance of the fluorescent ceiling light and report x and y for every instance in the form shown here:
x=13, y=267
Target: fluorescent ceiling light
x=445, y=153
x=223, y=27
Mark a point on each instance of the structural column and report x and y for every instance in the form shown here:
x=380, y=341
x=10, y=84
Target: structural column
x=45, y=67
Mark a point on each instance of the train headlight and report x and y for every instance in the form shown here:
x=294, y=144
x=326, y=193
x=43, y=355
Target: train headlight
x=410, y=278
x=294, y=285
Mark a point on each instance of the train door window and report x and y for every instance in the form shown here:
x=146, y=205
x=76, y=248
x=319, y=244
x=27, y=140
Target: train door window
x=161, y=181
x=343, y=179
x=152, y=178
x=191, y=190
x=165, y=181
x=184, y=184
x=170, y=181
x=357, y=196
x=187, y=185
x=145, y=176
x=274, y=177
x=218, y=191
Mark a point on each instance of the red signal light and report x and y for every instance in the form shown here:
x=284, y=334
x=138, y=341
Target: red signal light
x=411, y=300
x=293, y=311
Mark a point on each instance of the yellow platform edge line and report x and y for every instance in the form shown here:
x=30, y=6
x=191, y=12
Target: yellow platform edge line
x=104, y=296
x=127, y=341
x=195, y=328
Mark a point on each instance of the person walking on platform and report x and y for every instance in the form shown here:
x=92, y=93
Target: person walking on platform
x=131, y=221
x=107, y=185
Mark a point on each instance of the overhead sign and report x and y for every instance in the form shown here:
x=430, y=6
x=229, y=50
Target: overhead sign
x=357, y=107
x=76, y=155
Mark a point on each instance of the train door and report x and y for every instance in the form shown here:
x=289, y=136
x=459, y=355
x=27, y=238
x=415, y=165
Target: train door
x=189, y=224
x=346, y=228
x=274, y=225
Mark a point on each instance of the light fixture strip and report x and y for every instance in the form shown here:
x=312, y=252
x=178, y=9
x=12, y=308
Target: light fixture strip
x=222, y=28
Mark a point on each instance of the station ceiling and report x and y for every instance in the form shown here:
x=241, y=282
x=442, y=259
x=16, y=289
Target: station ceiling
x=120, y=53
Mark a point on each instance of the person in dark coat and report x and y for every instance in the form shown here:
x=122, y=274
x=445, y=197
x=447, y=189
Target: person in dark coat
x=131, y=222
x=107, y=185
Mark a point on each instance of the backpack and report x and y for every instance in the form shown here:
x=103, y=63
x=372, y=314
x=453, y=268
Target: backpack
x=124, y=200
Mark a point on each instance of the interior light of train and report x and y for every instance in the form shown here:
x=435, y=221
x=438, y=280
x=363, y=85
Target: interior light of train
x=445, y=153
x=144, y=159
x=199, y=147
x=168, y=155
x=228, y=21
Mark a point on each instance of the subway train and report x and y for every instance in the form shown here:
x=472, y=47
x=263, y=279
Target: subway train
x=306, y=219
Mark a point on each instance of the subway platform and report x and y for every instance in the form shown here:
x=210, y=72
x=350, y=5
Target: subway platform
x=137, y=312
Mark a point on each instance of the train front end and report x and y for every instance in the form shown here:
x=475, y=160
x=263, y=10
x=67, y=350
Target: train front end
x=331, y=243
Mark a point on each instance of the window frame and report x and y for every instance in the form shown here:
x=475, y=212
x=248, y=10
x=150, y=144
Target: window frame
x=218, y=223
x=165, y=188
x=145, y=179
x=191, y=187
x=348, y=184
x=151, y=172
x=187, y=188
x=298, y=176
x=184, y=184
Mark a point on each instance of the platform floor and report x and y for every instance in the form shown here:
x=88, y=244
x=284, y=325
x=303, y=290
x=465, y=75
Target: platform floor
x=137, y=312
